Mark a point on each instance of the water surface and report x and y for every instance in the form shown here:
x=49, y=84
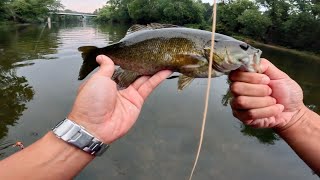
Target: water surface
x=38, y=83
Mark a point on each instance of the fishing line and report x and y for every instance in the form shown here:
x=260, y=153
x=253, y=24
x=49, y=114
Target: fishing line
x=38, y=40
x=208, y=87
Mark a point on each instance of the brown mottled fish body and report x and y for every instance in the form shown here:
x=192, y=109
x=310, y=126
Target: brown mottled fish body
x=154, y=48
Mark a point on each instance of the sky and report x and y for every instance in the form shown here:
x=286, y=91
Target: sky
x=89, y=5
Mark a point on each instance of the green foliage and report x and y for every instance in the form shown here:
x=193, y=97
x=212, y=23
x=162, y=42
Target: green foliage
x=228, y=13
x=27, y=10
x=254, y=23
x=115, y=11
x=305, y=29
x=146, y=11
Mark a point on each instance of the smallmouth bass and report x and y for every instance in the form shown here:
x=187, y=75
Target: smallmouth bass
x=147, y=49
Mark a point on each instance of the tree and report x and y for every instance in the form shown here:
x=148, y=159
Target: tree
x=30, y=10
x=254, y=23
x=229, y=12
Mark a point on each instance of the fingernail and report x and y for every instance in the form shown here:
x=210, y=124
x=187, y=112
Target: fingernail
x=265, y=80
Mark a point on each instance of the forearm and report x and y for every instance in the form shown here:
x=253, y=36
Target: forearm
x=48, y=158
x=304, y=138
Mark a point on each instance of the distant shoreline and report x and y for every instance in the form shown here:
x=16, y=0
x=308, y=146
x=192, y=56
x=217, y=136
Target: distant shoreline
x=310, y=54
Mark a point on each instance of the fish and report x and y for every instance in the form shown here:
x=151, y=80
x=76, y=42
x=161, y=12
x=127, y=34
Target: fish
x=147, y=49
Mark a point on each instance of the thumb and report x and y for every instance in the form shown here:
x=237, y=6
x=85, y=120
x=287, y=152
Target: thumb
x=271, y=70
x=106, y=66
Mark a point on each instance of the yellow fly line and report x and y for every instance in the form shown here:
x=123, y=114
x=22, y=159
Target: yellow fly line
x=205, y=112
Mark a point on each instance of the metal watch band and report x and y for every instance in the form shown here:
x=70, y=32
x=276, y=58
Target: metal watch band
x=77, y=135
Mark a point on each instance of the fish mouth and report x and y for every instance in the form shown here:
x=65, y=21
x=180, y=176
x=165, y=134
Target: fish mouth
x=256, y=61
x=253, y=64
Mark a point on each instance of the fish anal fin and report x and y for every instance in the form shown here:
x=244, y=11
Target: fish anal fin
x=184, y=81
x=124, y=78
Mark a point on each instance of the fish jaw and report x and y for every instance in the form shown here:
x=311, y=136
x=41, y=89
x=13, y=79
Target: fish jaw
x=253, y=65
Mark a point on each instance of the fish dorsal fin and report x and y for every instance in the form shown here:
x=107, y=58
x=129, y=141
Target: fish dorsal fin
x=161, y=26
x=139, y=27
x=184, y=81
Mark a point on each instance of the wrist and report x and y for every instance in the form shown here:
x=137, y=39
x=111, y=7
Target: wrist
x=78, y=136
x=90, y=127
x=299, y=120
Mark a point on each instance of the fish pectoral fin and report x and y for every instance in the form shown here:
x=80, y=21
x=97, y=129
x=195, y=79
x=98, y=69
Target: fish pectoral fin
x=190, y=59
x=216, y=57
x=184, y=81
x=207, y=51
x=124, y=78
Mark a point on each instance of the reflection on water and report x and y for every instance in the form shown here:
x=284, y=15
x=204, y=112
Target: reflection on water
x=24, y=43
x=265, y=136
x=15, y=92
x=38, y=83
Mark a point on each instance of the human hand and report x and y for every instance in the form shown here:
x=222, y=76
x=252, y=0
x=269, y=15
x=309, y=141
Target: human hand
x=106, y=112
x=268, y=100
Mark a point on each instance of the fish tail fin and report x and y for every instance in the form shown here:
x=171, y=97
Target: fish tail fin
x=89, y=54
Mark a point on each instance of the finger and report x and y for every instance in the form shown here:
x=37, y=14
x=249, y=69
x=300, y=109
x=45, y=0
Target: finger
x=246, y=89
x=249, y=77
x=252, y=114
x=271, y=70
x=106, y=66
x=148, y=86
x=269, y=122
x=247, y=102
x=138, y=83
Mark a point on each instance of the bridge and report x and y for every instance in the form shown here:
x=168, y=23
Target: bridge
x=75, y=14
x=83, y=15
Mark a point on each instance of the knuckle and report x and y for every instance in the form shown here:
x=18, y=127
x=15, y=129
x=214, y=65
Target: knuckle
x=241, y=101
x=251, y=77
x=251, y=114
x=268, y=90
x=235, y=87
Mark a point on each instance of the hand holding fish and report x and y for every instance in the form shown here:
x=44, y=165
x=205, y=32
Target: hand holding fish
x=268, y=100
x=273, y=100
x=109, y=113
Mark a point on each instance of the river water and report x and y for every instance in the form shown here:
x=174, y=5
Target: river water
x=38, y=83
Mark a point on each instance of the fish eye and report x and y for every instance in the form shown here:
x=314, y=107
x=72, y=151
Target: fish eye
x=244, y=46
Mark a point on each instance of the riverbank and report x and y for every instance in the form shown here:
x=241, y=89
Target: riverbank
x=308, y=54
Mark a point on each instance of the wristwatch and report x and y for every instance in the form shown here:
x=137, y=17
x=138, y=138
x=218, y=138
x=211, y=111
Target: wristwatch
x=78, y=136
